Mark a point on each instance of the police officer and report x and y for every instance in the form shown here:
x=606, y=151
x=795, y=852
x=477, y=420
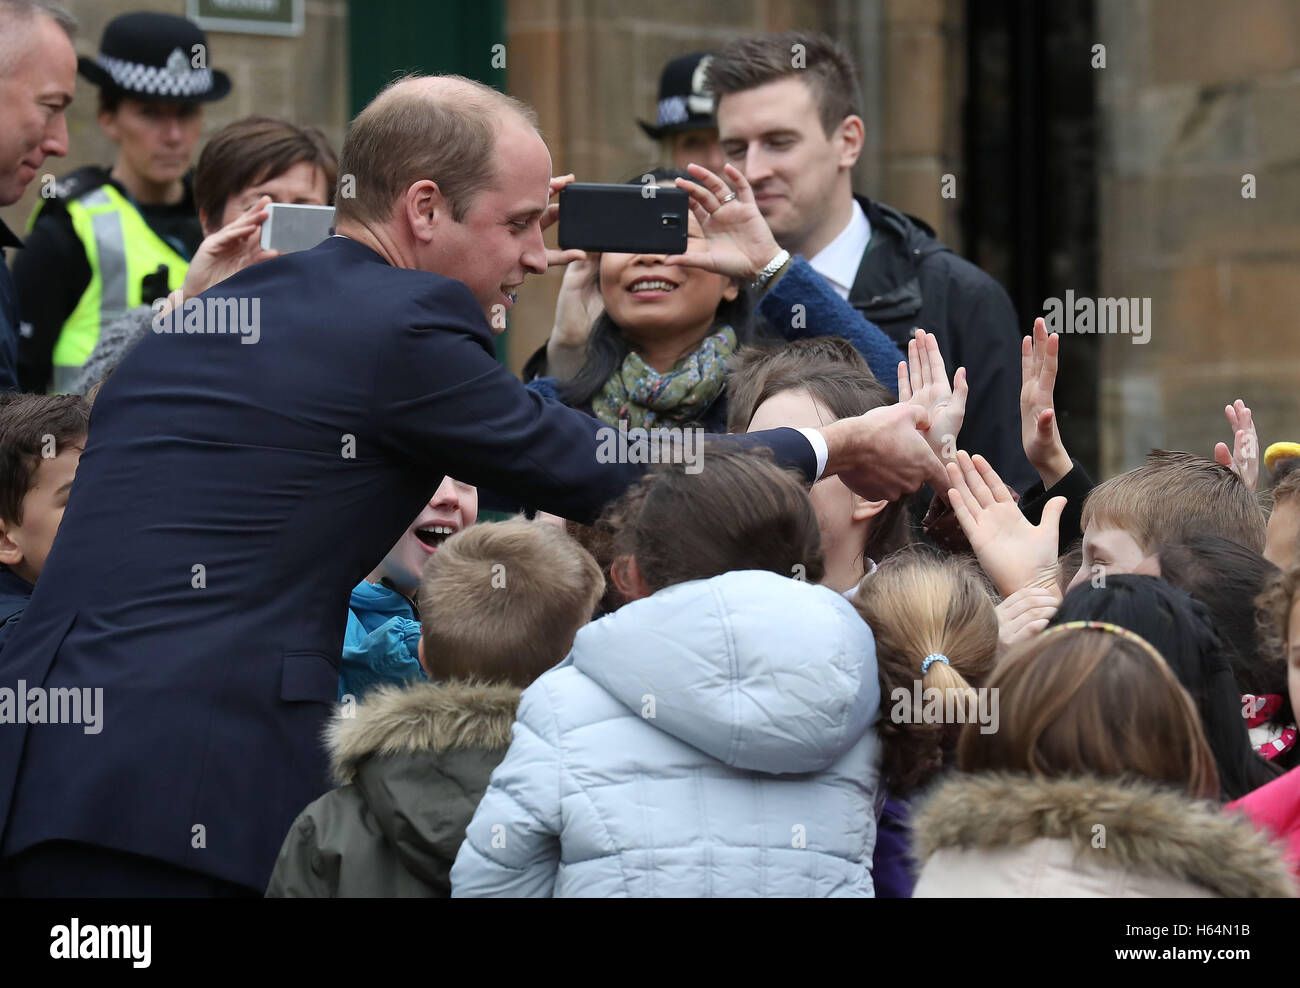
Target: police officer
x=104, y=240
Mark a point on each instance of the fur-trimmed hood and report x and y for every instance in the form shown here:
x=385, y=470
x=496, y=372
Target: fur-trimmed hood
x=421, y=717
x=1149, y=831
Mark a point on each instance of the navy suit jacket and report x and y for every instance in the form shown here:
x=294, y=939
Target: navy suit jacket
x=230, y=497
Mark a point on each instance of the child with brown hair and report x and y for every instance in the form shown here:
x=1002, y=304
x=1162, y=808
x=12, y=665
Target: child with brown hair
x=713, y=737
x=809, y=383
x=500, y=604
x=1067, y=798
x=41, y=439
x=936, y=644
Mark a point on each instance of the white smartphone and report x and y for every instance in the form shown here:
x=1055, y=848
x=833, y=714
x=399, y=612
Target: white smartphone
x=291, y=227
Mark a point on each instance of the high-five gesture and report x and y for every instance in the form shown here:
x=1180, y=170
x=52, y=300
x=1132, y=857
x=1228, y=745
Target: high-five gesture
x=923, y=380
x=738, y=242
x=1014, y=553
x=1038, y=430
x=1244, y=458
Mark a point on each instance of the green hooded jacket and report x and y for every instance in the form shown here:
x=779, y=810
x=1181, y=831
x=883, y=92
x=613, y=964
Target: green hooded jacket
x=412, y=763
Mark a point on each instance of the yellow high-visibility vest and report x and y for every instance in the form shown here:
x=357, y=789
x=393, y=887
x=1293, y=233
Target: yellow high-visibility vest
x=121, y=249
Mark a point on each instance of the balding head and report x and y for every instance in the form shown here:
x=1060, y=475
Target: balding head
x=18, y=18
x=437, y=128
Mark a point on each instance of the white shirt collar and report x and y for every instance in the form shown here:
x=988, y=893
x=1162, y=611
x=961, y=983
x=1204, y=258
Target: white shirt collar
x=852, y=592
x=839, y=260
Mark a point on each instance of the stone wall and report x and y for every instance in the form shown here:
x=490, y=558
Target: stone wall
x=1195, y=95
x=591, y=68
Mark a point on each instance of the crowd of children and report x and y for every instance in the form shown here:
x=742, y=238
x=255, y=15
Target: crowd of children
x=735, y=682
x=753, y=687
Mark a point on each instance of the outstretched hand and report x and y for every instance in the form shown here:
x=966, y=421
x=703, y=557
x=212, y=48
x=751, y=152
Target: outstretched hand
x=883, y=455
x=1244, y=458
x=1038, y=429
x=1014, y=553
x=1025, y=613
x=737, y=240
x=923, y=381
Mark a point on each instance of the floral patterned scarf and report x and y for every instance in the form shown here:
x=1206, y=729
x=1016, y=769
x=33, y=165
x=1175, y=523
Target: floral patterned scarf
x=644, y=398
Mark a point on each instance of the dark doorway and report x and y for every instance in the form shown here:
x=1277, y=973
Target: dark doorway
x=1031, y=147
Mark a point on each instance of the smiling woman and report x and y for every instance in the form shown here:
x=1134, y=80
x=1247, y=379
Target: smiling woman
x=657, y=353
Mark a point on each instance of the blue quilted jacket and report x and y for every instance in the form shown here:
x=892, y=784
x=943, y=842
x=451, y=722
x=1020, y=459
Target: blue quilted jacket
x=714, y=739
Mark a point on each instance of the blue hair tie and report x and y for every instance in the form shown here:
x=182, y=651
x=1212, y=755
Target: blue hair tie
x=931, y=659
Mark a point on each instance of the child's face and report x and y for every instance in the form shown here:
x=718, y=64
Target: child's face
x=843, y=517
x=454, y=506
x=1283, y=534
x=24, y=548
x=686, y=300
x=1108, y=552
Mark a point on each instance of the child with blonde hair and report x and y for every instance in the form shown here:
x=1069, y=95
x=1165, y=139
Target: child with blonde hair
x=500, y=604
x=936, y=643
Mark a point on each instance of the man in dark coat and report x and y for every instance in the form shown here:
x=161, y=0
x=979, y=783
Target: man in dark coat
x=254, y=457
x=787, y=118
x=38, y=71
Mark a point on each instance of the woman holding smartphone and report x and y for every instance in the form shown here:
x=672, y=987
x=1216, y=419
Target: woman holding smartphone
x=645, y=338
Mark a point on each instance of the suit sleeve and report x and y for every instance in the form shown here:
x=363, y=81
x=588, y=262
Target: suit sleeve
x=512, y=846
x=824, y=313
x=445, y=403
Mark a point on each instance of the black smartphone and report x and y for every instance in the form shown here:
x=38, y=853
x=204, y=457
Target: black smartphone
x=626, y=219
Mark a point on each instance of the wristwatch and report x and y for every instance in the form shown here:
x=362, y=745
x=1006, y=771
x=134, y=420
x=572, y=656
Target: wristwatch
x=770, y=269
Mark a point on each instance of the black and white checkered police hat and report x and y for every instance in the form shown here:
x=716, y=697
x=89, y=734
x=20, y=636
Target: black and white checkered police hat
x=156, y=57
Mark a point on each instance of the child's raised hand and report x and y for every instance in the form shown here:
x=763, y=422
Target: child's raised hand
x=1244, y=458
x=923, y=380
x=1038, y=430
x=1025, y=613
x=1014, y=553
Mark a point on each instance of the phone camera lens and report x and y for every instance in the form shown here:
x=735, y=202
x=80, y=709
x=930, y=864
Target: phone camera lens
x=670, y=221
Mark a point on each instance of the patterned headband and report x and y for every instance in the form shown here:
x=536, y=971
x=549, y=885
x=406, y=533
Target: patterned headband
x=1114, y=629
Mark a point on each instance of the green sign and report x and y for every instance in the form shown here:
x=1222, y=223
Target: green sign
x=248, y=16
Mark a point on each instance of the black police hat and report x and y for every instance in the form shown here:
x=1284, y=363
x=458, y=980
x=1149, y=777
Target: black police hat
x=684, y=103
x=152, y=56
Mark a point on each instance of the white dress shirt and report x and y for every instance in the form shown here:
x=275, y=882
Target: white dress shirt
x=839, y=260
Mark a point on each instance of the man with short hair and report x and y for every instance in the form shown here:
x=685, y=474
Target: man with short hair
x=231, y=497
x=787, y=118
x=38, y=70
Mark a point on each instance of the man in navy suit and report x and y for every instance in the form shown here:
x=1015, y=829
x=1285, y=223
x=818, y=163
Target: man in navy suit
x=238, y=483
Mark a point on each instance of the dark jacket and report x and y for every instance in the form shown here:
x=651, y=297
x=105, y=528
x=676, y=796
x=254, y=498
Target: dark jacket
x=8, y=315
x=413, y=763
x=229, y=499
x=1075, y=487
x=907, y=279
x=15, y=592
x=53, y=272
